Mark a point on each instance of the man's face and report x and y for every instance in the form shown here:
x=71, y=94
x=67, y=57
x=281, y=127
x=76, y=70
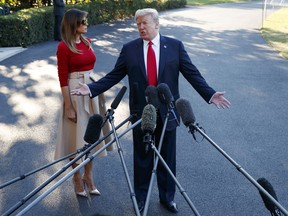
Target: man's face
x=147, y=27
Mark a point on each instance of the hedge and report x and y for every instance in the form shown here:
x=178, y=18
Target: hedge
x=30, y=26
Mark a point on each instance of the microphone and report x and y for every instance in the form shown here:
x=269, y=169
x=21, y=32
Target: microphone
x=165, y=95
x=114, y=105
x=152, y=96
x=268, y=203
x=185, y=111
x=148, y=124
x=167, y=98
x=118, y=98
x=184, y=108
x=93, y=129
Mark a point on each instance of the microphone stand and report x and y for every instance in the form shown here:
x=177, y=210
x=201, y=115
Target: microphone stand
x=110, y=117
x=59, y=172
x=182, y=191
x=87, y=160
x=193, y=127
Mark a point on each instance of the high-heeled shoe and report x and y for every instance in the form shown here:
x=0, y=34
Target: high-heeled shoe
x=91, y=188
x=76, y=188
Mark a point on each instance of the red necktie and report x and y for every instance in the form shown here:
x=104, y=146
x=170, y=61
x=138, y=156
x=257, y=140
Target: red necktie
x=151, y=65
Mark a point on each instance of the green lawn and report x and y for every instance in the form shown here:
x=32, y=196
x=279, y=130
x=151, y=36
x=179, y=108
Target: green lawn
x=275, y=31
x=275, y=28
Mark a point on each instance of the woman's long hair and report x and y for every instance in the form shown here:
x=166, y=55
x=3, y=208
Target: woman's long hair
x=71, y=21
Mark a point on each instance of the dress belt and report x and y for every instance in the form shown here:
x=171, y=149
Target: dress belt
x=78, y=75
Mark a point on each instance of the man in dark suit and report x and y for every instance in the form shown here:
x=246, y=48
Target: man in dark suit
x=58, y=11
x=171, y=58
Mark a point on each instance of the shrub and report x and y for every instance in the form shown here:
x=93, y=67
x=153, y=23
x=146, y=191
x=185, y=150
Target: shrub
x=34, y=25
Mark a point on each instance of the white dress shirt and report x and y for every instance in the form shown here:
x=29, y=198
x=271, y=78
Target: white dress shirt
x=156, y=48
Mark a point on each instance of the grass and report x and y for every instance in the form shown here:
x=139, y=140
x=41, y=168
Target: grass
x=274, y=30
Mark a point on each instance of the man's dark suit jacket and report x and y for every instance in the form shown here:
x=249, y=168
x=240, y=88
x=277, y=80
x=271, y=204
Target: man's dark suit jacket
x=173, y=60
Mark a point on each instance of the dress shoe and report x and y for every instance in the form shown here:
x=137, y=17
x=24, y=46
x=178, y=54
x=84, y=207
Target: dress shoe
x=82, y=193
x=91, y=188
x=79, y=188
x=170, y=206
x=141, y=205
x=95, y=192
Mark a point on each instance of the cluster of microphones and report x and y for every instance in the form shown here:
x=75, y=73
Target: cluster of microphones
x=155, y=97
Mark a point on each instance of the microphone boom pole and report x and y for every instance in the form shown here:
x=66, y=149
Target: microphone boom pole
x=23, y=176
x=238, y=167
x=63, y=179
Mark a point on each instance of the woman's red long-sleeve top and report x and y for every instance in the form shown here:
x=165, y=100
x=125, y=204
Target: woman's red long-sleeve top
x=69, y=62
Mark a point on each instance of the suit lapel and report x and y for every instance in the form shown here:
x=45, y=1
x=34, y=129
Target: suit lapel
x=140, y=54
x=163, y=55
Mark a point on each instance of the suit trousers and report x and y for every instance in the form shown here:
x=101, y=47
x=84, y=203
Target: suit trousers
x=57, y=27
x=144, y=163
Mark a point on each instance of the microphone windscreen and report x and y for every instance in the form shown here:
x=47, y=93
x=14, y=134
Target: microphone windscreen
x=268, y=187
x=93, y=129
x=152, y=96
x=149, y=118
x=165, y=94
x=118, y=98
x=184, y=108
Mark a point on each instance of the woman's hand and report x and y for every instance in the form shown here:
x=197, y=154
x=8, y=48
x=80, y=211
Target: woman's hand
x=70, y=113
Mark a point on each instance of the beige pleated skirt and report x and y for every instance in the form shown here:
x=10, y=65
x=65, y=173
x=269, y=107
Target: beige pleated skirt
x=70, y=136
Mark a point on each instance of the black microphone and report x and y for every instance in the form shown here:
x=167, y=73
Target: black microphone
x=167, y=98
x=268, y=203
x=148, y=124
x=152, y=96
x=184, y=108
x=165, y=95
x=118, y=98
x=93, y=129
x=114, y=105
x=186, y=113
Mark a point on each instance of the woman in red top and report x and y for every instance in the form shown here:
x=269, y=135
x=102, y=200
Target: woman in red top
x=76, y=59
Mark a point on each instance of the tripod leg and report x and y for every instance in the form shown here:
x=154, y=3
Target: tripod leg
x=132, y=193
x=181, y=189
x=158, y=156
x=155, y=167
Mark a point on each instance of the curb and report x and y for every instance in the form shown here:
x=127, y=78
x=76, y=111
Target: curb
x=10, y=51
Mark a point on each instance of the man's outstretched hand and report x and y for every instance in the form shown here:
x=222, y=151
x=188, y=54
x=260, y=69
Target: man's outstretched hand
x=220, y=101
x=82, y=90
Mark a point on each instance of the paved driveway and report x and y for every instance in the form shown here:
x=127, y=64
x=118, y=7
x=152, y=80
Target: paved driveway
x=225, y=43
